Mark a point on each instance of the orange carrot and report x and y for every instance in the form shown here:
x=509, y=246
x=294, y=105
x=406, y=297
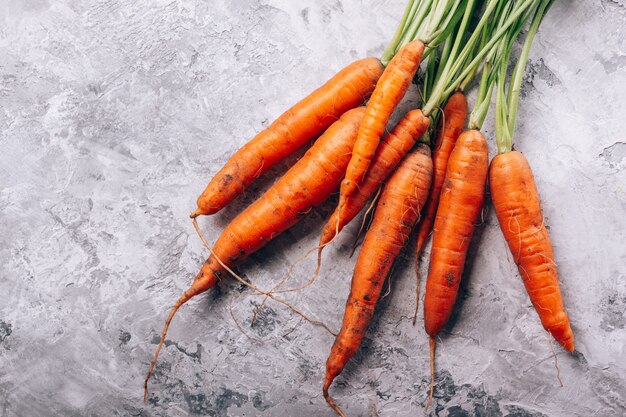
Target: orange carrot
x=292, y=130
x=308, y=183
x=460, y=204
x=454, y=114
x=397, y=211
x=390, y=89
x=518, y=208
x=390, y=152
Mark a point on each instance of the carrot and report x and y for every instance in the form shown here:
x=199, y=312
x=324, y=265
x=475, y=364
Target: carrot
x=454, y=114
x=460, y=204
x=517, y=203
x=390, y=152
x=390, y=89
x=516, y=200
x=292, y=130
x=308, y=183
x=397, y=211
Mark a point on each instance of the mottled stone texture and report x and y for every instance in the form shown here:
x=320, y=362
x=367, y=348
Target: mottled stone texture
x=113, y=116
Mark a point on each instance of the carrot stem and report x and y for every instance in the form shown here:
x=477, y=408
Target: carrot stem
x=393, y=44
x=508, y=110
x=451, y=81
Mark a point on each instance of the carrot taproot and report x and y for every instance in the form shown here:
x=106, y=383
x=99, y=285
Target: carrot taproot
x=454, y=114
x=291, y=131
x=307, y=184
x=518, y=208
x=389, y=91
x=460, y=203
x=392, y=149
x=396, y=213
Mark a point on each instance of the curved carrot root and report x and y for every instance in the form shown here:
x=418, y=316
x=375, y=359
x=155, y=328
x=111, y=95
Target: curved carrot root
x=275, y=289
x=417, y=294
x=556, y=363
x=329, y=400
x=432, y=373
x=196, y=288
x=254, y=287
x=158, y=350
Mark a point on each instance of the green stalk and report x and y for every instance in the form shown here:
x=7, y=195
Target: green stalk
x=513, y=18
x=430, y=73
x=445, y=27
x=446, y=55
x=490, y=68
x=487, y=29
x=460, y=35
x=518, y=73
x=440, y=90
x=391, y=48
x=503, y=137
x=507, y=101
x=421, y=14
x=483, y=98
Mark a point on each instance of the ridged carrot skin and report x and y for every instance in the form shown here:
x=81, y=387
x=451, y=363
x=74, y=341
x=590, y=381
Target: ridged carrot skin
x=388, y=155
x=454, y=115
x=518, y=208
x=307, y=184
x=397, y=211
x=390, y=90
x=460, y=203
x=291, y=131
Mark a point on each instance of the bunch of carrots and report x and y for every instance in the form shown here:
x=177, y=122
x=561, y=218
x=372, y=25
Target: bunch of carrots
x=426, y=177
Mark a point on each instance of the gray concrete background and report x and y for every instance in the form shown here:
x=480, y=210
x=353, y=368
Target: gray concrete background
x=113, y=116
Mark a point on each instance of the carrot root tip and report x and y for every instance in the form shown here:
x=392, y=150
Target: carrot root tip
x=330, y=401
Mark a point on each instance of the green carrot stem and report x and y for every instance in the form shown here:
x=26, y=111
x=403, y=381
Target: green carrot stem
x=448, y=86
x=391, y=48
x=518, y=73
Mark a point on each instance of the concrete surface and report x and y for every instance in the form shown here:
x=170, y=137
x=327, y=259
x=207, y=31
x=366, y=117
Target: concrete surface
x=113, y=116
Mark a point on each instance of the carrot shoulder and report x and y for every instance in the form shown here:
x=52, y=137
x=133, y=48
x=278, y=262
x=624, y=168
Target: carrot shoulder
x=516, y=201
x=396, y=213
x=460, y=204
x=291, y=131
x=308, y=183
x=390, y=90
